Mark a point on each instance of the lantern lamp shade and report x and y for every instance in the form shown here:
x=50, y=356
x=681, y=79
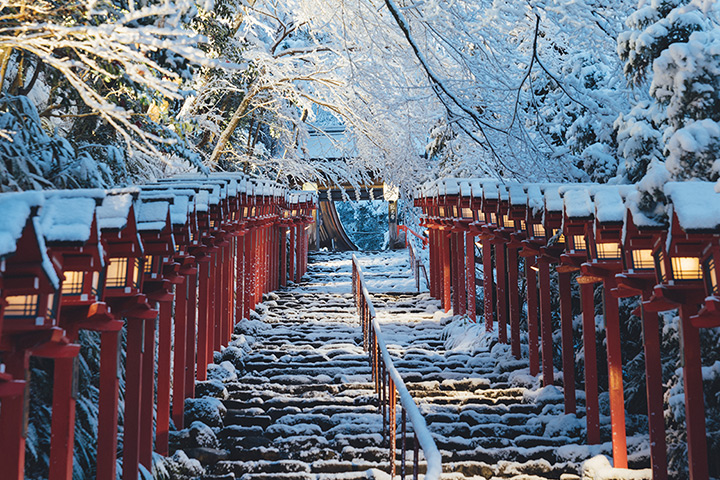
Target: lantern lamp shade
x=123, y=272
x=467, y=213
x=537, y=230
x=578, y=243
x=84, y=284
x=39, y=306
x=642, y=259
x=608, y=251
x=677, y=268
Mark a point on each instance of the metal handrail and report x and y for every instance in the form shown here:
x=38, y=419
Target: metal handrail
x=425, y=241
x=416, y=265
x=389, y=383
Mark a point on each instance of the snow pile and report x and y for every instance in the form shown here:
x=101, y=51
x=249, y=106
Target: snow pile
x=209, y=411
x=600, y=468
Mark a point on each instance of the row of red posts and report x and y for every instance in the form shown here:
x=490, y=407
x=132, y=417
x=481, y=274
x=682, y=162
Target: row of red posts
x=600, y=232
x=176, y=263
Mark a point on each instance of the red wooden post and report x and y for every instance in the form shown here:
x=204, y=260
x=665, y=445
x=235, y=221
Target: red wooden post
x=163, y=378
x=179, y=353
x=192, y=336
x=454, y=271
x=240, y=278
x=461, y=275
x=546, y=322
x=249, y=267
x=445, y=242
x=283, y=256
x=224, y=273
x=108, y=405
x=202, y=320
x=532, y=315
x=514, y=300
x=291, y=261
x=654, y=389
x=13, y=418
x=615, y=380
x=694, y=402
x=568, y=349
x=148, y=395
x=470, y=266
x=502, y=304
x=592, y=406
x=133, y=395
x=487, y=283
x=63, y=420
x=435, y=263
x=217, y=292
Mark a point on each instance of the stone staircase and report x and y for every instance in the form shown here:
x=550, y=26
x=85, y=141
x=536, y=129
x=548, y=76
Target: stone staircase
x=292, y=399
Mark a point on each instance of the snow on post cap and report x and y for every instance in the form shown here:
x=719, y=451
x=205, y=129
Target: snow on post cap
x=490, y=191
x=68, y=218
x=476, y=188
x=16, y=208
x=609, y=205
x=696, y=204
x=114, y=211
x=465, y=188
x=640, y=219
x=578, y=203
x=553, y=200
x=535, y=199
x=518, y=197
x=152, y=215
x=504, y=193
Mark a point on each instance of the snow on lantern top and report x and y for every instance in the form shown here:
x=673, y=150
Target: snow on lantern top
x=518, y=197
x=578, y=204
x=609, y=205
x=114, y=211
x=68, y=218
x=696, y=204
x=16, y=208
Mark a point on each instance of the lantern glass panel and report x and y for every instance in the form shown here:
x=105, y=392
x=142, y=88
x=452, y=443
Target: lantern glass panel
x=138, y=273
x=442, y=211
x=523, y=226
x=73, y=283
x=116, y=273
x=686, y=268
x=608, y=251
x=51, y=306
x=467, y=213
x=579, y=244
x=507, y=223
x=493, y=218
x=148, y=268
x=21, y=306
x=643, y=259
x=96, y=284
x=538, y=230
x=660, y=265
x=711, y=277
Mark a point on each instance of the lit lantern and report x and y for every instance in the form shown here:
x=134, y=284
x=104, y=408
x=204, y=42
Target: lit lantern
x=578, y=215
x=679, y=262
x=490, y=202
x=604, y=240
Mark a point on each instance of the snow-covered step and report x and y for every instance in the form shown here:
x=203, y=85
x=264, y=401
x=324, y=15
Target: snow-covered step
x=301, y=404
